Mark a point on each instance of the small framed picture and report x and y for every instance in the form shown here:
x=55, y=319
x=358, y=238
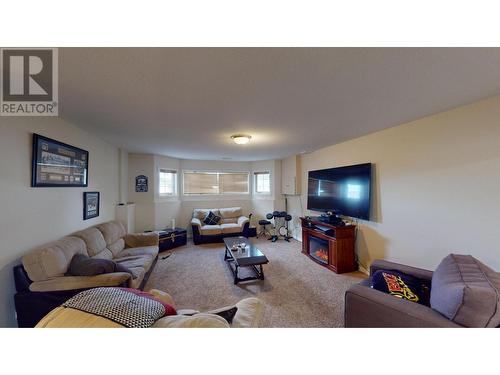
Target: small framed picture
x=90, y=204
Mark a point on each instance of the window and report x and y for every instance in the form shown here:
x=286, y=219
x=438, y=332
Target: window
x=168, y=182
x=215, y=183
x=262, y=182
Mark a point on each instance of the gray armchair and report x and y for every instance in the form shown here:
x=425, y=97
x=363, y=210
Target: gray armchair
x=370, y=308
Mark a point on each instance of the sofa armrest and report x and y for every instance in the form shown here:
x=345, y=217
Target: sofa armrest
x=196, y=221
x=242, y=220
x=249, y=313
x=370, y=308
x=80, y=282
x=196, y=227
x=142, y=239
x=380, y=264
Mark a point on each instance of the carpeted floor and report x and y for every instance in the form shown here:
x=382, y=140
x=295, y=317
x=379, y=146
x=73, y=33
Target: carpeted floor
x=296, y=291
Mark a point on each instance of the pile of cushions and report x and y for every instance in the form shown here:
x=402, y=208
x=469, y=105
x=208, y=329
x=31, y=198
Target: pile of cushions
x=123, y=307
x=462, y=289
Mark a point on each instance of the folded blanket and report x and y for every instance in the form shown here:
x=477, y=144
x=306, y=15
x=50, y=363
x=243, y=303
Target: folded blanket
x=120, y=306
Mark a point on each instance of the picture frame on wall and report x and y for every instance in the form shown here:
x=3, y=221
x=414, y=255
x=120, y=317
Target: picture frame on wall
x=91, y=203
x=57, y=164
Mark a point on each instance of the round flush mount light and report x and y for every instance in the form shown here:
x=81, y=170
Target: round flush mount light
x=241, y=139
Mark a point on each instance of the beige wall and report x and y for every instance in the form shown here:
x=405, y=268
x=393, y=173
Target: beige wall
x=33, y=216
x=436, y=188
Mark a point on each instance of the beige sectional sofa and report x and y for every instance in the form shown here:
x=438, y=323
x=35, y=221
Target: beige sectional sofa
x=47, y=265
x=232, y=223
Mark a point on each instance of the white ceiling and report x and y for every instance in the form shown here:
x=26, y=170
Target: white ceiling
x=187, y=102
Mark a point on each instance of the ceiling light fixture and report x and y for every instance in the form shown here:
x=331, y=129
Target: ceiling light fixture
x=241, y=139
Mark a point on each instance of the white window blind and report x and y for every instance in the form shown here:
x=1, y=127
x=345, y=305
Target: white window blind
x=168, y=182
x=262, y=182
x=215, y=182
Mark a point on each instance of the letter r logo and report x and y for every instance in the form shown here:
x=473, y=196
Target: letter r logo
x=27, y=75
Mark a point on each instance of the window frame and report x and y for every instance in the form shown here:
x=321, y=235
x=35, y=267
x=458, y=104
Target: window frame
x=247, y=193
x=175, y=182
x=255, y=174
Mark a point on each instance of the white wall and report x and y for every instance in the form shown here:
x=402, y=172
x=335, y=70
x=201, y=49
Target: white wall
x=267, y=203
x=31, y=217
x=142, y=164
x=436, y=187
x=123, y=175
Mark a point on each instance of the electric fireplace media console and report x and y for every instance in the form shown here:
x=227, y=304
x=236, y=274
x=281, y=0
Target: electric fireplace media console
x=329, y=245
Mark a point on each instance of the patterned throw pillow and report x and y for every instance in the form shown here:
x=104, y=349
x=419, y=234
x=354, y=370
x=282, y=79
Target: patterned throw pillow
x=169, y=310
x=211, y=219
x=402, y=286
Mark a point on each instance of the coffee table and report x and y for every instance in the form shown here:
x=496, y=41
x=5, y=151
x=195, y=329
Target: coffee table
x=249, y=256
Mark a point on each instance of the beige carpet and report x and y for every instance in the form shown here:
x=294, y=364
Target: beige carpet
x=296, y=291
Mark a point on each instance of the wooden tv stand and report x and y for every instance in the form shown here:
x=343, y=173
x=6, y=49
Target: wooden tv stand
x=333, y=250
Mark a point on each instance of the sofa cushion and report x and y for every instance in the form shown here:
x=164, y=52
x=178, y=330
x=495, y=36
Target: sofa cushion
x=230, y=228
x=117, y=247
x=105, y=254
x=466, y=291
x=144, y=261
x=208, y=230
x=211, y=219
x=231, y=212
x=52, y=260
x=232, y=220
x=94, y=240
x=152, y=251
x=112, y=231
x=201, y=213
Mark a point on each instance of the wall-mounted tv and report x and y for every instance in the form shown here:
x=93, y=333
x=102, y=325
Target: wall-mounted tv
x=343, y=190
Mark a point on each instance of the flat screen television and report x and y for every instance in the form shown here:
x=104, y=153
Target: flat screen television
x=342, y=191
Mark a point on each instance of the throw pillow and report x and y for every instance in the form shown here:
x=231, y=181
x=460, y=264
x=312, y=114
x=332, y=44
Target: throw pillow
x=402, y=286
x=83, y=265
x=211, y=219
x=169, y=309
x=228, y=313
x=466, y=291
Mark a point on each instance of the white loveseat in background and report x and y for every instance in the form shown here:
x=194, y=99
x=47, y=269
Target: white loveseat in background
x=233, y=223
